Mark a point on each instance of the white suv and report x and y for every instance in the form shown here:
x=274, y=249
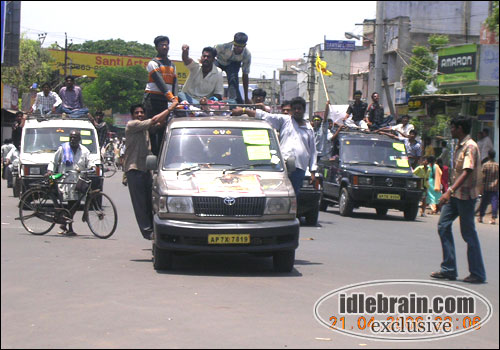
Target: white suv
x=42, y=136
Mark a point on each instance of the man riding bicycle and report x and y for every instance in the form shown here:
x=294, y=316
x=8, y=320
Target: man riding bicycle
x=70, y=156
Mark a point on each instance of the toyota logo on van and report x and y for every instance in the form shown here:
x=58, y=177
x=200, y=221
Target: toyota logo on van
x=229, y=201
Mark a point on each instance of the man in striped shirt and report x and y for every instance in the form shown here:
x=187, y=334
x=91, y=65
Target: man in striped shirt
x=490, y=190
x=459, y=201
x=160, y=89
x=46, y=100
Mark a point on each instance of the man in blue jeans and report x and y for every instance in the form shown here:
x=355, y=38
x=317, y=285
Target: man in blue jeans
x=459, y=201
x=230, y=58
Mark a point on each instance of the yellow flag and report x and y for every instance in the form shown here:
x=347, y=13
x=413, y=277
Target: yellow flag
x=321, y=66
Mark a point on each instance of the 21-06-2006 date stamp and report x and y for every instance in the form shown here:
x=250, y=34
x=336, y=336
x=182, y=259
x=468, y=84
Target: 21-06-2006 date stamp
x=369, y=310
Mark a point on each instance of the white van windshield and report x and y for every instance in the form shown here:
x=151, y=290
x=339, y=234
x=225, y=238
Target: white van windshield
x=48, y=140
x=222, y=148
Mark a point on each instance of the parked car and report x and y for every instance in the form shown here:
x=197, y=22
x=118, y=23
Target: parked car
x=221, y=186
x=370, y=170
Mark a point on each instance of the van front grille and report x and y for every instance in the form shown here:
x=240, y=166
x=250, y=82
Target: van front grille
x=216, y=206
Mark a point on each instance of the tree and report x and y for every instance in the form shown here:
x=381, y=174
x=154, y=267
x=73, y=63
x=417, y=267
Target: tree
x=421, y=71
x=116, y=47
x=34, y=67
x=115, y=87
x=492, y=20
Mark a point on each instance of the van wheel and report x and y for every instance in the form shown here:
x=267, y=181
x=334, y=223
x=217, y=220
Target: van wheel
x=345, y=203
x=16, y=189
x=411, y=213
x=381, y=211
x=283, y=261
x=162, y=259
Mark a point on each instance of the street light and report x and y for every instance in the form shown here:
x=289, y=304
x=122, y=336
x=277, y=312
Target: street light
x=350, y=35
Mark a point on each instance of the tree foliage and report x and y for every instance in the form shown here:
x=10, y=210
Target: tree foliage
x=115, y=87
x=492, y=20
x=34, y=67
x=116, y=47
x=421, y=71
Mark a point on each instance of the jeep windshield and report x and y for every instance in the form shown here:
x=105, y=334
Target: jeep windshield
x=48, y=140
x=232, y=149
x=374, y=153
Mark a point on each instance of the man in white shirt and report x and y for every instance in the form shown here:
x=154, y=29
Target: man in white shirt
x=46, y=100
x=296, y=138
x=205, y=79
x=484, y=143
x=403, y=129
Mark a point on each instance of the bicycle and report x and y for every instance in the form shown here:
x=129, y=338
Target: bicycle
x=109, y=165
x=41, y=207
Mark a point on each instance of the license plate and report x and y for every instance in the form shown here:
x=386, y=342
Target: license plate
x=229, y=239
x=394, y=197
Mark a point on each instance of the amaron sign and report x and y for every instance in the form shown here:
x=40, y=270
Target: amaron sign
x=457, y=65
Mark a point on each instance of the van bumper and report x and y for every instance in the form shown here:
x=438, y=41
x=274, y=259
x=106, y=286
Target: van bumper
x=265, y=237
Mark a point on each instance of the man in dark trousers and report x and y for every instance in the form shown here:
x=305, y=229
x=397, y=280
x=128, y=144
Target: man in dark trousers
x=160, y=89
x=137, y=148
x=459, y=201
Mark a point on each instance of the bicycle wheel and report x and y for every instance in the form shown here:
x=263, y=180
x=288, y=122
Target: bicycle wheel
x=101, y=215
x=37, y=208
x=109, y=169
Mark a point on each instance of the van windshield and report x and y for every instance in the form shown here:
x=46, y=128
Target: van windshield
x=374, y=152
x=223, y=148
x=48, y=140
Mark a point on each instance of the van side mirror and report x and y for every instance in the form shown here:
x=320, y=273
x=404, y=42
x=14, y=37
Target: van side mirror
x=151, y=162
x=290, y=165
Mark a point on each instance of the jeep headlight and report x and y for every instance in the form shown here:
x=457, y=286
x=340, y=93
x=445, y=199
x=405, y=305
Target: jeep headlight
x=412, y=184
x=364, y=180
x=276, y=206
x=34, y=170
x=179, y=205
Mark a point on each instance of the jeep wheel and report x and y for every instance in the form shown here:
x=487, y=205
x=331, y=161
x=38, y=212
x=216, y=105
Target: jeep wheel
x=323, y=205
x=345, y=204
x=312, y=217
x=381, y=211
x=283, y=261
x=411, y=213
x=162, y=259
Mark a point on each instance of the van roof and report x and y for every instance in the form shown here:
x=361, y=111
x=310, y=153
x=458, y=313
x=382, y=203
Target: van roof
x=365, y=136
x=219, y=122
x=52, y=123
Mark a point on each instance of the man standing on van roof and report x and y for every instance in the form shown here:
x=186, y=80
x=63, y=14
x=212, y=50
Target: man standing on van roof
x=297, y=138
x=137, y=148
x=230, y=57
x=160, y=89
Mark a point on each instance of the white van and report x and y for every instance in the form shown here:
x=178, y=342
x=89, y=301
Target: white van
x=42, y=136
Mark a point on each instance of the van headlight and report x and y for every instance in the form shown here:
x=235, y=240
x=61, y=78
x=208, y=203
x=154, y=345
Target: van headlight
x=412, y=184
x=276, y=206
x=179, y=205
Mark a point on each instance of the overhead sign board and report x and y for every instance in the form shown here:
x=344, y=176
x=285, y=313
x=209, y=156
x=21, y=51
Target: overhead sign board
x=84, y=63
x=457, y=65
x=339, y=45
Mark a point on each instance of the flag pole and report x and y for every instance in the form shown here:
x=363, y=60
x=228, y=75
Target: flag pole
x=324, y=84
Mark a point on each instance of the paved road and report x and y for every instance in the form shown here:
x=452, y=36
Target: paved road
x=84, y=292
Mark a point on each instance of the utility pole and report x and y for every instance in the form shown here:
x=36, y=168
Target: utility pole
x=379, y=49
x=273, y=97
x=311, y=77
x=66, y=47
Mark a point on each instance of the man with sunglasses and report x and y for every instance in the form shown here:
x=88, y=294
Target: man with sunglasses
x=230, y=58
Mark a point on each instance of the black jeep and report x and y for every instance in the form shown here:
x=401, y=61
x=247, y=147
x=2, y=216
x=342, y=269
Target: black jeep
x=369, y=170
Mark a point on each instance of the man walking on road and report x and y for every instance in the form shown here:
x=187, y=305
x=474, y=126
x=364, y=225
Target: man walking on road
x=137, y=148
x=459, y=201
